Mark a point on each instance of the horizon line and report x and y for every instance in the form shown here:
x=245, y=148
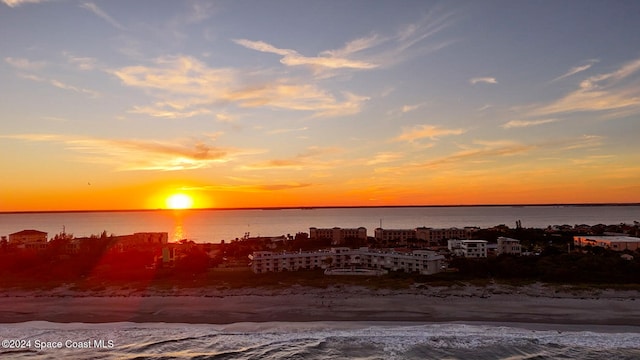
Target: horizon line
x=316, y=207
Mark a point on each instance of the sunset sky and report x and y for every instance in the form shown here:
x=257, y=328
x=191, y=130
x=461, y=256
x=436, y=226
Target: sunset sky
x=121, y=104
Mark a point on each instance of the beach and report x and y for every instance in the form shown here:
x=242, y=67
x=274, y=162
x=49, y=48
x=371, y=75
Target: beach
x=534, y=303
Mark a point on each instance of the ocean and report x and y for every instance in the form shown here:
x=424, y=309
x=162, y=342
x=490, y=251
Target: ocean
x=316, y=340
x=215, y=225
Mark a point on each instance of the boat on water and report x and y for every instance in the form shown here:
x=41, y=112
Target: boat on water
x=355, y=271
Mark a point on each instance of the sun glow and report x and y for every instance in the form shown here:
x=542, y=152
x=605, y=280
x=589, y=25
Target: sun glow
x=179, y=201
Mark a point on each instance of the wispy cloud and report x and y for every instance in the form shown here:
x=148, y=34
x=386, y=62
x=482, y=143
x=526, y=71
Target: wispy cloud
x=576, y=69
x=483, y=80
x=367, y=52
x=314, y=157
x=16, y=3
x=136, y=154
x=487, y=151
x=427, y=132
x=102, y=14
x=526, y=123
x=64, y=86
x=384, y=157
x=410, y=108
x=293, y=58
x=250, y=187
x=184, y=84
x=617, y=91
x=82, y=63
x=283, y=131
x=25, y=64
x=61, y=85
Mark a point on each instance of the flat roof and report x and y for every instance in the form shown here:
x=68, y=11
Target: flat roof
x=609, y=238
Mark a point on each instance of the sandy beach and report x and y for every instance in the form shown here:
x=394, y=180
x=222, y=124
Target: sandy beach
x=534, y=303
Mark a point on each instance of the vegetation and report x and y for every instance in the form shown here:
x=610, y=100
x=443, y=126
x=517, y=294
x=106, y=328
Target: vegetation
x=98, y=264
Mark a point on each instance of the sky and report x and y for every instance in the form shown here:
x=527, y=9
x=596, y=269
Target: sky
x=110, y=105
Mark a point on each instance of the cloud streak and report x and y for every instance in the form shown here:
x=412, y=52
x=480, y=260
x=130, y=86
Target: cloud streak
x=25, y=64
x=576, y=69
x=526, y=123
x=293, y=58
x=427, y=132
x=102, y=14
x=136, y=154
x=185, y=86
x=617, y=91
x=483, y=80
x=16, y=3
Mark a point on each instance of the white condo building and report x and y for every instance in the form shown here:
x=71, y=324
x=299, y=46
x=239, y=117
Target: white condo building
x=474, y=248
x=421, y=261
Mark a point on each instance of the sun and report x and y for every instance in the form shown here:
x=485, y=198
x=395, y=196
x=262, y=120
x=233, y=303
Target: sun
x=179, y=201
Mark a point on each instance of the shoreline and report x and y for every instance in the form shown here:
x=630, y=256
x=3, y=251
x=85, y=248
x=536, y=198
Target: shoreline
x=530, y=304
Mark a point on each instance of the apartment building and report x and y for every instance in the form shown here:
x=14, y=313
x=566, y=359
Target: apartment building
x=338, y=235
x=474, y=248
x=422, y=261
x=29, y=239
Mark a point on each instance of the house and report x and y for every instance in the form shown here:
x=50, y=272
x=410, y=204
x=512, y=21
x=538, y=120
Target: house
x=29, y=239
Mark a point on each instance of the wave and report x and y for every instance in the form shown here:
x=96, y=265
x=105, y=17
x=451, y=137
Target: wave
x=323, y=340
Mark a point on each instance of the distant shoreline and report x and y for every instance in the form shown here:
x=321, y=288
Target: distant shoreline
x=318, y=207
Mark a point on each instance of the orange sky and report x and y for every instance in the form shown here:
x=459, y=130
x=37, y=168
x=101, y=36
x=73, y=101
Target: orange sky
x=266, y=106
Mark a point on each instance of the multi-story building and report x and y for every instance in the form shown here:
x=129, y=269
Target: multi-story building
x=338, y=235
x=430, y=236
x=29, y=239
x=508, y=246
x=397, y=236
x=617, y=243
x=434, y=236
x=474, y=248
x=141, y=239
x=422, y=261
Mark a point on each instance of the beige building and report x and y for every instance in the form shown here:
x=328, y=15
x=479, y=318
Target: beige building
x=141, y=239
x=423, y=261
x=338, y=235
x=29, y=239
x=508, y=246
x=429, y=235
x=398, y=236
x=617, y=243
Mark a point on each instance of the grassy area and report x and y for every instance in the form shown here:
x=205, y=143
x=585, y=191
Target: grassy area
x=166, y=280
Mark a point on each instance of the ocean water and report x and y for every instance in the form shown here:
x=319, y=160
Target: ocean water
x=216, y=225
x=315, y=340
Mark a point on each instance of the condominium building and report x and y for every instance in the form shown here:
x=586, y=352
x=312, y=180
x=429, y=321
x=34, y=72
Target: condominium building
x=422, y=261
x=474, y=248
x=399, y=236
x=430, y=236
x=508, y=246
x=29, y=239
x=338, y=235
